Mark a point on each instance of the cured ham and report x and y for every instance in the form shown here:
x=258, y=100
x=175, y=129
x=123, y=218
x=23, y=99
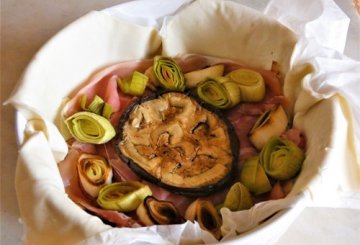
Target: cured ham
x=104, y=84
x=189, y=63
x=242, y=117
x=82, y=147
x=243, y=125
x=296, y=136
x=122, y=172
x=115, y=218
x=125, y=100
x=70, y=179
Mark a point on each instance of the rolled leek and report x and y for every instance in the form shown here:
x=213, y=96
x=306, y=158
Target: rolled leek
x=233, y=91
x=193, y=78
x=251, y=84
x=94, y=172
x=281, y=158
x=238, y=198
x=88, y=127
x=135, y=86
x=270, y=124
x=204, y=212
x=253, y=176
x=152, y=211
x=169, y=74
x=123, y=196
x=219, y=92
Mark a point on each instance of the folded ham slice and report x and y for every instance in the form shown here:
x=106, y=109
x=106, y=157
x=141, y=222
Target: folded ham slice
x=296, y=136
x=103, y=83
x=70, y=178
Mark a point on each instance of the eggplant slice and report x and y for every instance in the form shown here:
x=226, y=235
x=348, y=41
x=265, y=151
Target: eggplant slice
x=178, y=142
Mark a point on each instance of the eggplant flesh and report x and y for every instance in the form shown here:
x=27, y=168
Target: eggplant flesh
x=178, y=142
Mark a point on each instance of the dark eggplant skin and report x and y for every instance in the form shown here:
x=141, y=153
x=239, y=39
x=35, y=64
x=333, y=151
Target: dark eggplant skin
x=190, y=192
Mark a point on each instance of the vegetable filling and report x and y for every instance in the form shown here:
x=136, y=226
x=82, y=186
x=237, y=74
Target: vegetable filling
x=174, y=141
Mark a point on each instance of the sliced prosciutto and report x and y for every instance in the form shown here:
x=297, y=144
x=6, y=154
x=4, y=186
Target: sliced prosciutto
x=70, y=178
x=104, y=84
x=242, y=117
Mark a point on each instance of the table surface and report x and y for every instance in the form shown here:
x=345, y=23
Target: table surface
x=27, y=24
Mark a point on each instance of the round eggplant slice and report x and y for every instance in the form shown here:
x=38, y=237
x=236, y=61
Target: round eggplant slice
x=178, y=142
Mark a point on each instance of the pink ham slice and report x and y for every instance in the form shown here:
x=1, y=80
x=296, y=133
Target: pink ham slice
x=82, y=147
x=122, y=171
x=72, y=187
x=244, y=116
x=103, y=84
x=277, y=192
x=189, y=63
x=296, y=136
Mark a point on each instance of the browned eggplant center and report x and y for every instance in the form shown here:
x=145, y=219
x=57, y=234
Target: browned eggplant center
x=177, y=141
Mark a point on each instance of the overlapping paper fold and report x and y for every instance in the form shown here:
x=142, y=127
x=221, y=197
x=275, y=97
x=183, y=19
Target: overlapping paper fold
x=319, y=81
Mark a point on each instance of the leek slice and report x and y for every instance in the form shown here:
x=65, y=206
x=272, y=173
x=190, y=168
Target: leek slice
x=253, y=176
x=214, y=94
x=193, y=78
x=281, y=158
x=169, y=74
x=107, y=110
x=270, y=124
x=97, y=105
x=83, y=101
x=153, y=211
x=233, y=92
x=94, y=172
x=220, y=92
x=238, y=198
x=88, y=127
x=205, y=213
x=135, y=86
x=251, y=84
x=123, y=196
